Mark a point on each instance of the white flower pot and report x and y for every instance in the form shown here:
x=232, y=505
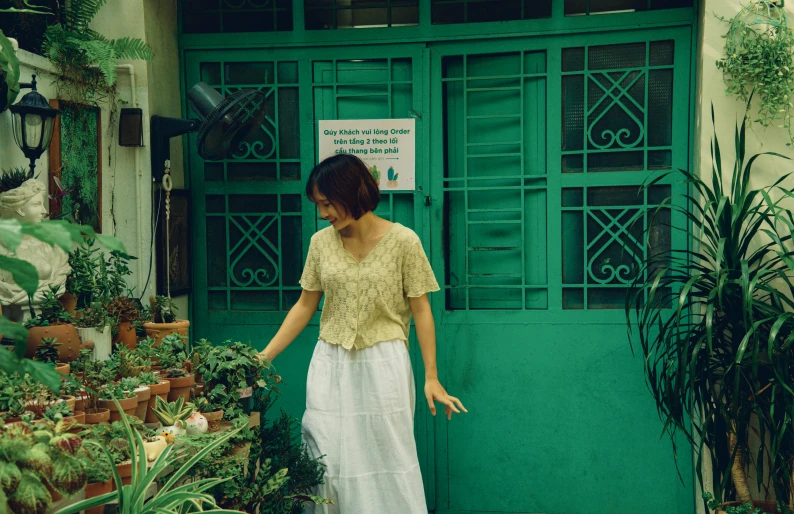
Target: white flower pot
x=103, y=341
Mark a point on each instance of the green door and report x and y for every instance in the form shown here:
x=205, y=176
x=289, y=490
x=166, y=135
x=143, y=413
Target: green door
x=537, y=229
x=252, y=224
x=530, y=151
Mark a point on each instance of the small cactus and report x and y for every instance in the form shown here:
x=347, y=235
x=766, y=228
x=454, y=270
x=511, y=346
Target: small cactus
x=392, y=175
x=375, y=173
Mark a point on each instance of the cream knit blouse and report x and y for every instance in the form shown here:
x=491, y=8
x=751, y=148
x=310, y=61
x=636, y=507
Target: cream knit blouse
x=367, y=303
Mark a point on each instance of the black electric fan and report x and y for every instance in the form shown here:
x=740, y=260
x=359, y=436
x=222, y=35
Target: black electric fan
x=226, y=123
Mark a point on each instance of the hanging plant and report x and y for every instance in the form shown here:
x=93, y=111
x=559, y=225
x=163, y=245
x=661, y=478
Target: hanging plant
x=85, y=59
x=758, y=58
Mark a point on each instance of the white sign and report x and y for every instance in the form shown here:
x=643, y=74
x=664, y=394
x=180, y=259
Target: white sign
x=387, y=147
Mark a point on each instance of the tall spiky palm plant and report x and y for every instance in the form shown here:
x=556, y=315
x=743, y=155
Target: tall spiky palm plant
x=715, y=326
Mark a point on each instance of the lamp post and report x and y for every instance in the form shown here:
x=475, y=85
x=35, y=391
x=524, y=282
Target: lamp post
x=33, y=120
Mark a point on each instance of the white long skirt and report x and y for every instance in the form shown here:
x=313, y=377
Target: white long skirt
x=360, y=417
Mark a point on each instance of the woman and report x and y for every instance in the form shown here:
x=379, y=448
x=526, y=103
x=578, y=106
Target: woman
x=360, y=391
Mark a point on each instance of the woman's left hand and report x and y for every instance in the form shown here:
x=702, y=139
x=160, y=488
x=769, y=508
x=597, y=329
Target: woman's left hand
x=435, y=392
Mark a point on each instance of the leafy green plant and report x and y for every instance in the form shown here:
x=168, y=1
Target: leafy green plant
x=57, y=411
x=129, y=383
x=33, y=457
x=744, y=508
x=47, y=351
x=161, y=310
x=94, y=316
x=97, y=279
x=9, y=68
x=51, y=311
x=97, y=465
x=85, y=58
x=758, y=57
x=12, y=178
x=170, y=413
x=83, y=356
x=148, y=378
x=173, y=496
x=715, y=327
x=173, y=352
x=12, y=397
x=216, y=399
x=117, y=391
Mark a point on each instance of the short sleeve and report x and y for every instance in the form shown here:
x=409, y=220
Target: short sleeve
x=310, y=279
x=418, y=277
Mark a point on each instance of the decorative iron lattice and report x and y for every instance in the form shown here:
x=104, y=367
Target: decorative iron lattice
x=475, y=11
x=608, y=234
x=369, y=89
x=274, y=154
x=226, y=16
x=495, y=181
x=617, y=107
x=259, y=265
x=255, y=260
x=346, y=14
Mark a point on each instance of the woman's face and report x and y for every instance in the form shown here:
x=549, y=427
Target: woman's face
x=331, y=212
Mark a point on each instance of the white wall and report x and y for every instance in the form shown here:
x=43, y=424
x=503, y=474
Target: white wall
x=728, y=112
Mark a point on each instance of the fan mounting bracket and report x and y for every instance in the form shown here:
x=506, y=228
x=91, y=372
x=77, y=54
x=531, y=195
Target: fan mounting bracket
x=162, y=130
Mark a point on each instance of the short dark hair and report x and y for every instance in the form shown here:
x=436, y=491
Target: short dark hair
x=344, y=179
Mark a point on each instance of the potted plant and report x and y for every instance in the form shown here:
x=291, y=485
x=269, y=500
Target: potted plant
x=125, y=398
x=39, y=463
x=714, y=326
x=211, y=405
x=99, y=473
x=160, y=319
x=173, y=356
x=47, y=352
x=142, y=393
x=12, y=397
x=112, y=437
x=125, y=312
x=61, y=411
x=54, y=322
x=93, y=324
x=179, y=496
x=158, y=388
x=173, y=415
x=94, y=378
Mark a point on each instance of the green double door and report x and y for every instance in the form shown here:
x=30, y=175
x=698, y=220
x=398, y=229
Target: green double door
x=530, y=153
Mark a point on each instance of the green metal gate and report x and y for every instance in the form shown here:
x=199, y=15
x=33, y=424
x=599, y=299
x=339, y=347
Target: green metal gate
x=530, y=151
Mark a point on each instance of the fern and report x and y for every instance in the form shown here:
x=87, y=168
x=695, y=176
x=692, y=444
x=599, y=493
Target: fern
x=86, y=58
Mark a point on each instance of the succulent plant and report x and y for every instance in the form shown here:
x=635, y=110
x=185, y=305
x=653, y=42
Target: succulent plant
x=47, y=351
x=169, y=413
x=392, y=175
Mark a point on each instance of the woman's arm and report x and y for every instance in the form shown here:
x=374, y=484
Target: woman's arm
x=299, y=316
x=426, y=332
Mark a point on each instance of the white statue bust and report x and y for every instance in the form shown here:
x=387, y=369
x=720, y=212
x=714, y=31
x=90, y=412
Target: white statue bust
x=27, y=203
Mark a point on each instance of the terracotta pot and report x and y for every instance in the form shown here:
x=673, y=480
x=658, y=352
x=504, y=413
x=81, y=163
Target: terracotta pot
x=96, y=416
x=79, y=404
x=56, y=496
x=158, y=331
x=770, y=507
x=71, y=401
x=125, y=472
x=70, y=343
x=214, y=419
x=69, y=302
x=79, y=417
x=142, y=393
x=126, y=335
x=97, y=489
x=180, y=386
x=63, y=368
x=79, y=420
x=156, y=390
x=198, y=389
x=128, y=406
